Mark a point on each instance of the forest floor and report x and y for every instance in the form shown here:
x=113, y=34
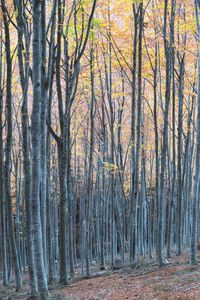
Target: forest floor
x=176, y=280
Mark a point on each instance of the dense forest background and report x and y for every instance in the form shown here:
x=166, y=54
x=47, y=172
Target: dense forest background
x=99, y=135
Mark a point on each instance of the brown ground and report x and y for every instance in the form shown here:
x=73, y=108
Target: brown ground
x=176, y=280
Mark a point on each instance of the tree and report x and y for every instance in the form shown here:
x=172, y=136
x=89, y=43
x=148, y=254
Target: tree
x=167, y=47
x=3, y=221
x=193, y=257
x=36, y=144
x=7, y=165
x=71, y=75
x=24, y=70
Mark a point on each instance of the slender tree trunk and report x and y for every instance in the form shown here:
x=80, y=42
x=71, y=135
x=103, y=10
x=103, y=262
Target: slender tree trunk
x=24, y=79
x=7, y=166
x=133, y=216
x=36, y=155
x=89, y=179
x=43, y=151
x=2, y=201
x=193, y=256
x=156, y=143
x=164, y=141
x=180, y=187
x=139, y=106
x=50, y=201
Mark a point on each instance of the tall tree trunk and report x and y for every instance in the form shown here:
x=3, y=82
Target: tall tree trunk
x=156, y=140
x=180, y=129
x=164, y=140
x=89, y=179
x=109, y=90
x=193, y=256
x=133, y=215
x=36, y=147
x=24, y=79
x=171, y=203
x=139, y=106
x=7, y=166
x=50, y=202
x=43, y=126
x=2, y=201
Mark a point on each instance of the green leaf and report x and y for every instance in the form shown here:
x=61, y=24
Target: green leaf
x=16, y=13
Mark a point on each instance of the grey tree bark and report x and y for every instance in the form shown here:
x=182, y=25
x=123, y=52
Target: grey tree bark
x=193, y=256
x=72, y=69
x=24, y=70
x=43, y=138
x=8, y=149
x=89, y=179
x=2, y=202
x=161, y=208
x=133, y=212
x=36, y=155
